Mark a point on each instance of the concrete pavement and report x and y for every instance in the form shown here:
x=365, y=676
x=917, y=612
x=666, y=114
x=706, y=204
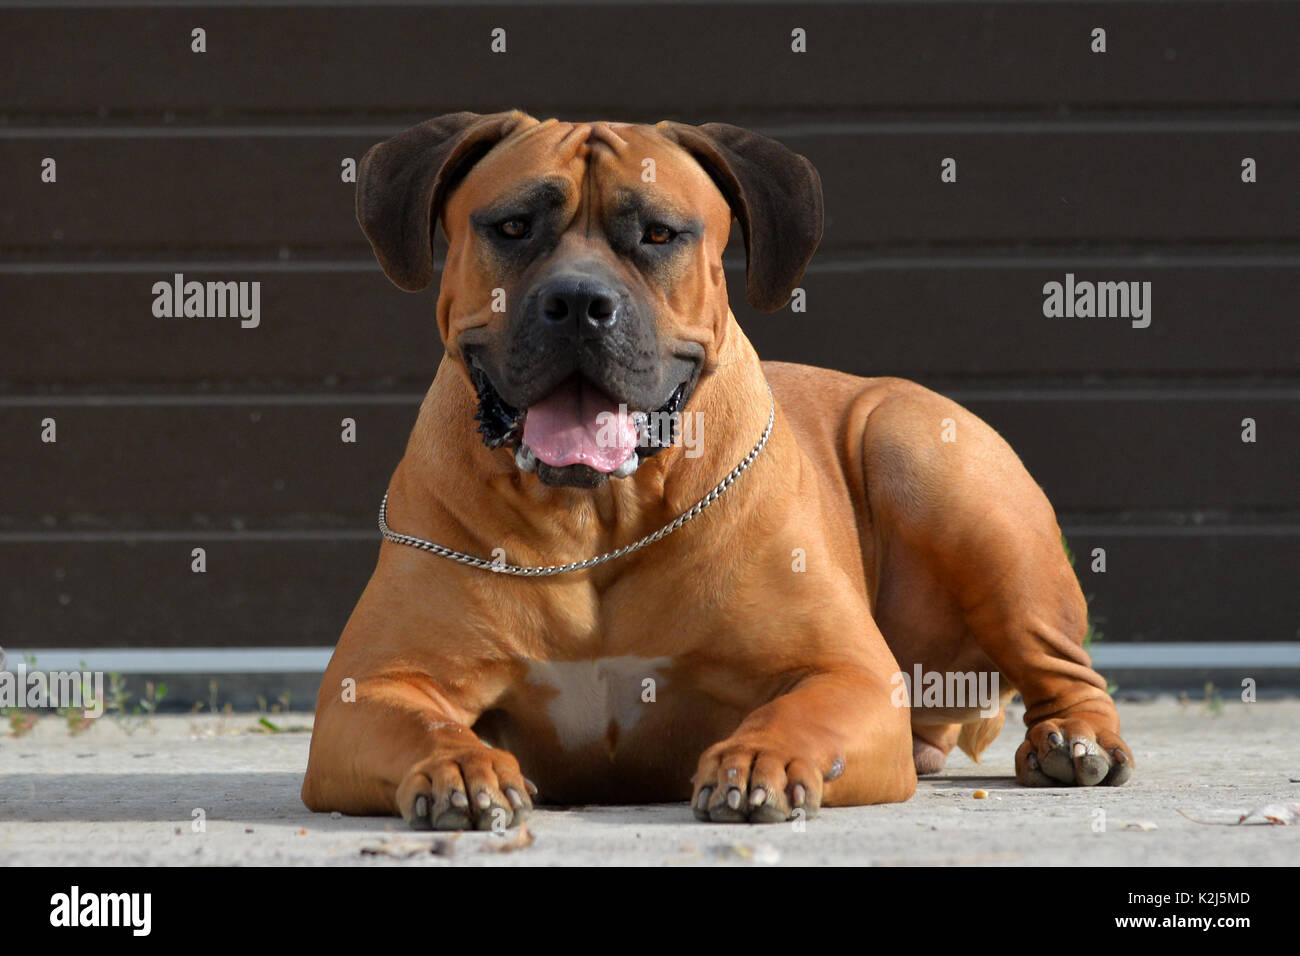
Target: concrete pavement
x=109, y=797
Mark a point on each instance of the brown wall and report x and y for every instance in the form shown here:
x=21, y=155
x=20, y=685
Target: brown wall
x=181, y=433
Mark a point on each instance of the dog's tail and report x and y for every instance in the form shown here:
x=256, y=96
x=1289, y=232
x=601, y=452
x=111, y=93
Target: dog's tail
x=975, y=738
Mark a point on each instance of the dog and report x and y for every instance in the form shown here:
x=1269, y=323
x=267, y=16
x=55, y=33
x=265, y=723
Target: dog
x=566, y=591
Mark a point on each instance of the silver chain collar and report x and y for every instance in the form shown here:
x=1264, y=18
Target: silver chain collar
x=537, y=571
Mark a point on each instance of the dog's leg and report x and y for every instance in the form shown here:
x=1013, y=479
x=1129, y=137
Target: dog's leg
x=397, y=748
x=1073, y=736
x=833, y=739
x=946, y=490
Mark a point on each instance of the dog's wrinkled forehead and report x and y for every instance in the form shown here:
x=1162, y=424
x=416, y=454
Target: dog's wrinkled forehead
x=590, y=170
x=713, y=171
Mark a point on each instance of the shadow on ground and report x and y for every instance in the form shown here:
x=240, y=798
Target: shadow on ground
x=47, y=798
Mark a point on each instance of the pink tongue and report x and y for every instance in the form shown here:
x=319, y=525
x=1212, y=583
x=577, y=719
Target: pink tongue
x=577, y=424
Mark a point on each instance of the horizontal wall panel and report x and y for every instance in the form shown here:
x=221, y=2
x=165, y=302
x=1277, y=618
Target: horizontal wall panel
x=144, y=594
x=183, y=193
x=285, y=593
x=646, y=60
x=951, y=318
x=166, y=465
x=1175, y=451
x=1191, y=584
x=1025, y=184
x=345, y=324
x=271, y=462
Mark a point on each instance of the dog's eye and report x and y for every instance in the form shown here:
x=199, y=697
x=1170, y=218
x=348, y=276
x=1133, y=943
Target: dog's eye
x=513, y=228
x=658, y=234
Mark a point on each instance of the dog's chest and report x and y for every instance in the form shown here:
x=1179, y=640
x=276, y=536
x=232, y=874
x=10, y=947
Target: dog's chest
x=597, y=700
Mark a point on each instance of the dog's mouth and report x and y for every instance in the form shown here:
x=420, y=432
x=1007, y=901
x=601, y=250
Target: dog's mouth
x=576, y=434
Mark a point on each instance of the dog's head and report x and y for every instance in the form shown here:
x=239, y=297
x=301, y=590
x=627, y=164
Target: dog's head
x=583, y=291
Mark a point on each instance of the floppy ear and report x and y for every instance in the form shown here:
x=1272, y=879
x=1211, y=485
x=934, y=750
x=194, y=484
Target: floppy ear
x=403, y=182
x=776, y=195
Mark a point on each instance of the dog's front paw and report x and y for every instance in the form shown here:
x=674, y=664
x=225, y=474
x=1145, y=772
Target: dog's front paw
x=1071, y=752
x=742, y=780
x=470, y=788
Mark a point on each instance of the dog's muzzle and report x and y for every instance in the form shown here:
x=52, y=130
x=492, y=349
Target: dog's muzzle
x=576, y=434
x=579, y=389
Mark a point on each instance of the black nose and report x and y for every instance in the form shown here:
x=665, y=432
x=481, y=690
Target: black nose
x=587, y=306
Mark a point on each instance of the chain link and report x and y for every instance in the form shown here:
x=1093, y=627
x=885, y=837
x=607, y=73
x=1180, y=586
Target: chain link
x=537, y=571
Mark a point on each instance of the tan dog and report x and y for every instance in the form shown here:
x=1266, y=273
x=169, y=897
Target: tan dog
x=750, y=659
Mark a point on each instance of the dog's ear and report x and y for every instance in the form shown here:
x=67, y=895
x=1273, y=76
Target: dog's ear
x=775, y=194
x=403, y=182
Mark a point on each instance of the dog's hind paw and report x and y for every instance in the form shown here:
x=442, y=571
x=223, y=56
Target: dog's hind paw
x=1070, y=753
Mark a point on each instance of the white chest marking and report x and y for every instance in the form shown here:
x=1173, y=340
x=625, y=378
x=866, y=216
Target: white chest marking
x=592, y=694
